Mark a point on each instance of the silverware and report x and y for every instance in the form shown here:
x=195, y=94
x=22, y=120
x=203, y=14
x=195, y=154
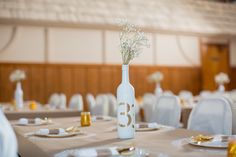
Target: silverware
x=72, y=129
x=126, y=150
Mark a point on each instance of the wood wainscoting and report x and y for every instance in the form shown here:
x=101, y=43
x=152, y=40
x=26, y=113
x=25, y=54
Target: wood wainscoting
x=44, y=79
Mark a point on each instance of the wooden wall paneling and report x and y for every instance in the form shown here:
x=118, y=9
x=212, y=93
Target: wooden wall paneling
x=52, y=80
x=66, y=81
x=7, y=87
x=106, y=79
x=232, y=84
x=79, y=80
x=92, y=80
x=37, y=83
x=79, y=83
x=177, y=81
x=141, y=80
x=116, y=74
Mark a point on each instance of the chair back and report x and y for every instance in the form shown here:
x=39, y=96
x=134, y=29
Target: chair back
x=149, y=101
x=76, y=102
x=8, y=142
x=112, y=101
x=91, y=102
x=212, y=115
x=167, y=111
x=54, y=100
x=102, y=106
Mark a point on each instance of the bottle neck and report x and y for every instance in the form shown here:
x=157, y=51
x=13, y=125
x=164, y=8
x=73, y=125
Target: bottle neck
x=18, y=85
x=125, y=73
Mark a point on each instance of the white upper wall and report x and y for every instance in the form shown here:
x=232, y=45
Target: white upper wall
x=75, y=45
x=233, y=52
x=27, y=45
x=177, y=50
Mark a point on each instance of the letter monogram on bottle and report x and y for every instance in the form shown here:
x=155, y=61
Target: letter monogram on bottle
x=126, y=113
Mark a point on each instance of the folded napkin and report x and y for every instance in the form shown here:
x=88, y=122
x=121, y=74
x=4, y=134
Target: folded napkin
x=59, y=131
x=89, y=152
x=146, y=125
x=94, y=118
x=25, y=121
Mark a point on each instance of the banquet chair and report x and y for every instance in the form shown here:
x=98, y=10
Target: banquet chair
x=168, y=93
x=76, y=102
x=233, y=109
x=149, y=101
x=205, y=94
x=91, y=102
x=112, y=104
x=167, y=111
x=212, y=115
x=186, y=96
x=8, y=142
x=54, y=100
x=62, y=104
x=233, y=95
x=101, y=106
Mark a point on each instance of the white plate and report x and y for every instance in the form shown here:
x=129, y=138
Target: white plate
x=59, y=135
x=218, y=141
x=33, y=124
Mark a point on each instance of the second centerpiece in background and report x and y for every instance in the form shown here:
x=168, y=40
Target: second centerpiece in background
x=131, y=43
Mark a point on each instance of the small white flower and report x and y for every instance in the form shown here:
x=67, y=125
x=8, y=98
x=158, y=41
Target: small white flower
x=156, y=77
x=222, y=78
x=17, y=75
x=131, y=42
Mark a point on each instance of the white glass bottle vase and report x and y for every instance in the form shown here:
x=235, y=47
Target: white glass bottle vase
x=126, y=106
x=158, y=90
x=19, y=96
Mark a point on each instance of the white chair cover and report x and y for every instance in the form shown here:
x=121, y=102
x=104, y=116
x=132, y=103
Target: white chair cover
x=102, y=106
x=167, y=111
x=62, y=104
x=233, y=95
x=76, y=102
x=187, y=96
x=212, y=115
x=168, y=93
x=91, y=102
x=112, y=105
x=205, y=94
x=149, y=101
x=233, y=109
x=54, y=100
x=8, y=142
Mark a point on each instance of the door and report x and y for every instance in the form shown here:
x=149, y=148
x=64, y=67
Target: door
x=215, y=59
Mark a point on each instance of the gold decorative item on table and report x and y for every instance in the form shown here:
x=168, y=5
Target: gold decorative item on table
x=201, y=138
x=85, y=119
x=232, y=149
x=33, y=105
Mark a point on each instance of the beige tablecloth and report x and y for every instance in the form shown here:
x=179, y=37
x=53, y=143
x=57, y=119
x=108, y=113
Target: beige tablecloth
x=156, y=142
x=42, y=113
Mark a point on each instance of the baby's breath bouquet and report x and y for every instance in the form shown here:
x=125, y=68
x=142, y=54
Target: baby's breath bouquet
x=156, y=77
x=17, y=75
x=221, y=78
x=131, y=42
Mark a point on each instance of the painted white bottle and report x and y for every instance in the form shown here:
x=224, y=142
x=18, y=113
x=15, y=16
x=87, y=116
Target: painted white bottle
x=19, y=96
x=158, y=90
x=126, y=106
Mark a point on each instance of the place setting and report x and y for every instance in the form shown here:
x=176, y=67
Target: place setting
x=206, y=143
x=33, y=121
x=59, y=133
x=109, y=151
x=145, y=127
